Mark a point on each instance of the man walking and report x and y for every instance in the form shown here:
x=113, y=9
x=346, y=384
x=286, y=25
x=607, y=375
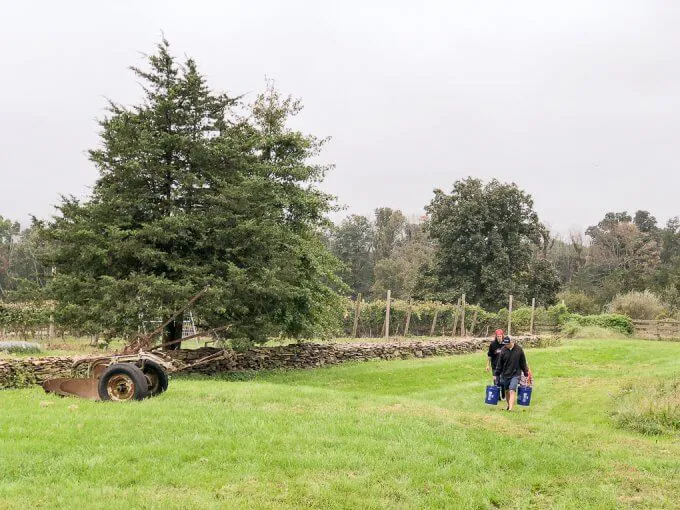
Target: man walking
x=511, y=364
x=495, y=348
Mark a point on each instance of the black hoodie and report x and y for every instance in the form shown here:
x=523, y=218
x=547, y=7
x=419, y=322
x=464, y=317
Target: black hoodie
x=511, y=363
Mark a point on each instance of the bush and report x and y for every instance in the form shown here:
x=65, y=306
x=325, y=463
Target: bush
x=638, y=305
x=613, y=321
x=651, y=410
x=570, y=329
x=548, y=341
x=573, y=329
x=578, y=302
x=558, y=315
x=24, y=318
x=521, y=319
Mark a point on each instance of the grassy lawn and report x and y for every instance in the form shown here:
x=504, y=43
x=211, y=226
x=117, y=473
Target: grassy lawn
x=397, y=434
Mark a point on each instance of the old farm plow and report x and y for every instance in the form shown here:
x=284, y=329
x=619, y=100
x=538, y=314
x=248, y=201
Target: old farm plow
x=139, y=371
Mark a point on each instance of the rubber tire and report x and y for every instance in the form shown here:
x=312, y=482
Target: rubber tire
x=160, y=373
x=134, y=372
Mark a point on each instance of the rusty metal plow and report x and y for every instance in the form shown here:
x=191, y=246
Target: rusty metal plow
x=117, y=377
x=134, y=374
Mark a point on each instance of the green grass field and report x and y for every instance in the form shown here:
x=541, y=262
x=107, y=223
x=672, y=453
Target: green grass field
x=396, y=434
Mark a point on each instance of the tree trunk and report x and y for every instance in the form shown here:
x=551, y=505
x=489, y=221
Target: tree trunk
x=173, y=331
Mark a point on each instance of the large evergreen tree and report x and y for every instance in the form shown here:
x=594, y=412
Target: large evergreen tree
x=197, y=188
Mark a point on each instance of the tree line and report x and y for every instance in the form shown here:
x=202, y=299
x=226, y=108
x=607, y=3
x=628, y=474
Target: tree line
x=481, y=240
x=487, y=242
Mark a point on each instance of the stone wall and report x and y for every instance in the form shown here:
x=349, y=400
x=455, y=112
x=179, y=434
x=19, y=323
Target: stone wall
x=20, y=372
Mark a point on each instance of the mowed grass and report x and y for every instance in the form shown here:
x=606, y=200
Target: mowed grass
x=394, y=434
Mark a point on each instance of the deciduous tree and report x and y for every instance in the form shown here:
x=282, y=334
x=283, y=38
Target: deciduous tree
x=490, y=244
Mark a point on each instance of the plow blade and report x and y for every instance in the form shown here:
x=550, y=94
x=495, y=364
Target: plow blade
x=73, y=387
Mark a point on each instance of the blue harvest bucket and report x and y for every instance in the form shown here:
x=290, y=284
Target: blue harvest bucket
x=492, y=395
x=524, y=395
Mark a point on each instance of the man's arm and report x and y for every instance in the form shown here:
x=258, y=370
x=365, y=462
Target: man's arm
x=499, y=363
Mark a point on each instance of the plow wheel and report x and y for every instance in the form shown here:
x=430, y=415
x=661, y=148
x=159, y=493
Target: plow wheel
x=156, y=378
x=123, y=381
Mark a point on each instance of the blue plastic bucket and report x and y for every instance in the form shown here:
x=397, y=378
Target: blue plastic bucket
x=492, y=394
x=524, y=395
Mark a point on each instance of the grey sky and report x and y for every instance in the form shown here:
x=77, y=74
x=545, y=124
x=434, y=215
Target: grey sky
x=578, y=102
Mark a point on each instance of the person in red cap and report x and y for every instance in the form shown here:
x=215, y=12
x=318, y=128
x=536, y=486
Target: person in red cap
x=493, y=354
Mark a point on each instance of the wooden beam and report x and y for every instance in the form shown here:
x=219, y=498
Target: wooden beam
x=408, y=317
x=357, y=311
x=387, y=314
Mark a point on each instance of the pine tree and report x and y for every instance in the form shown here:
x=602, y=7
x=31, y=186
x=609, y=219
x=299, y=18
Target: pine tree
x=197, y=188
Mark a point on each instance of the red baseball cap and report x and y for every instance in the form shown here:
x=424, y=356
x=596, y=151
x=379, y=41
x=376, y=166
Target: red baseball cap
x=499, y=332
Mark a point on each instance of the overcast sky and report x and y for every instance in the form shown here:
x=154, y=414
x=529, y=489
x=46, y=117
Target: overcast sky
x=577, y=102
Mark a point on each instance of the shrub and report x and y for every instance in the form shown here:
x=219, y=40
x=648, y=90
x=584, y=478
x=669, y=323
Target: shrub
x=578, y=302
x=651, y=410
x=24, y=318
x=613, y=321
x=638, y=305
x=572, y=329
x=548, y=341
x=521, y=320
x=558, y=315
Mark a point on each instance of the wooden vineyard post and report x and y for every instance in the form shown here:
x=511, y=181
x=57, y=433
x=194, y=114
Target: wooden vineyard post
x=463, y=333
x=408, y=318
x=387, y=314
x=50, y=330
x=533, y=310
x=357, y=311
x=455, y=319
x=474, y=321
x=510, y=315
x=434, y=322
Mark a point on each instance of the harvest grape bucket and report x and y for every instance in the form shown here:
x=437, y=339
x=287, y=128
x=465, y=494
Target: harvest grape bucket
x=492, y=395
x=524, y=395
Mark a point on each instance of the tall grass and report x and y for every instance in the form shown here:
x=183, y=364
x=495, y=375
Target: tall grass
x=651, y=409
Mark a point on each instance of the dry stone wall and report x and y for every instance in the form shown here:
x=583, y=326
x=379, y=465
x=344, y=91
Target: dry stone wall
x=21, y=372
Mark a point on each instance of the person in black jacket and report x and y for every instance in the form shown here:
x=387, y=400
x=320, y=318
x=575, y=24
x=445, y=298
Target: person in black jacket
x=495, y=348
x=511, y=364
